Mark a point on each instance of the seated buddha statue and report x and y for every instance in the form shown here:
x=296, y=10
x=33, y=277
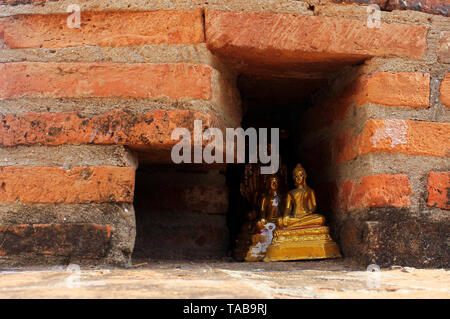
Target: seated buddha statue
x=300, y=233
x=270, y=202
x=269, y=212
x=300, y=204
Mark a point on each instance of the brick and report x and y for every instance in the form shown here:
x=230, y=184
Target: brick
x=438, y=188
x=74, y=240
x=375, y=191
x=406, y=137
x=383, y=88
x=105, y=29
x=444, y=48
x=445, y=90
x=394, y=89
x=78, y=80
x=32, y=184
x=264, y=39
x=145, y=131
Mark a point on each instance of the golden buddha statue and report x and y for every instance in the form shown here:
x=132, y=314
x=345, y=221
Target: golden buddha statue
x=264, y=194
x=300, y=233
x=270, y=203
x=269, y=209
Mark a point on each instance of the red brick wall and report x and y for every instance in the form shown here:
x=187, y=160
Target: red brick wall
x=80, y=107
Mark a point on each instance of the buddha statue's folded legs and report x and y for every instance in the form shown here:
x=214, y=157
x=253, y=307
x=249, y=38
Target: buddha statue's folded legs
x=307, y=220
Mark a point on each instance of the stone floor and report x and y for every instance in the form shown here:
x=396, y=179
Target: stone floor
x=224, y=279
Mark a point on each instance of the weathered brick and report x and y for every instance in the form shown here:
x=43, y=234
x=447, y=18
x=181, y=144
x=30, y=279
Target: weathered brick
x=145, y=131
x=439, y=189
x=445, y=90
x=444, y=48
x=375, y=191
x=76, y=80
x=74, y=240
x=383, y=88
x=394, y=89
x=406, y=137
x=265, y=39
x=32, y=184
x=111, y=29
x=394, y=136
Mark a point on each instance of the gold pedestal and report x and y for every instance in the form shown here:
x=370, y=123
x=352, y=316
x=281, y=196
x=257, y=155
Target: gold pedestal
x=302, y=243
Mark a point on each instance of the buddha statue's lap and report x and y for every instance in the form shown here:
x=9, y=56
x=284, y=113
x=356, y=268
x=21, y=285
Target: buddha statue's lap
x=306, y=220
x=300, y=205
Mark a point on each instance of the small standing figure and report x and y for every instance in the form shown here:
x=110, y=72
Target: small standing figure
x=300, y=233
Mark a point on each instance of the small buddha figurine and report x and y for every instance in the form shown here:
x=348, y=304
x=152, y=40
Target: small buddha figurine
x=269, y=212
x=270, y=203
x=300, y=233
x=300, y=204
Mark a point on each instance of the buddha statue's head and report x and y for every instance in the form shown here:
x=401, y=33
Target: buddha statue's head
x=272, y=182
x=299, y=175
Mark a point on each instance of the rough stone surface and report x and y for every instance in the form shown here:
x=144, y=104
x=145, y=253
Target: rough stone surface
x=78, y=240
x=136, y=80
x=439, y=189
x=229, y=280
x=31, y=184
